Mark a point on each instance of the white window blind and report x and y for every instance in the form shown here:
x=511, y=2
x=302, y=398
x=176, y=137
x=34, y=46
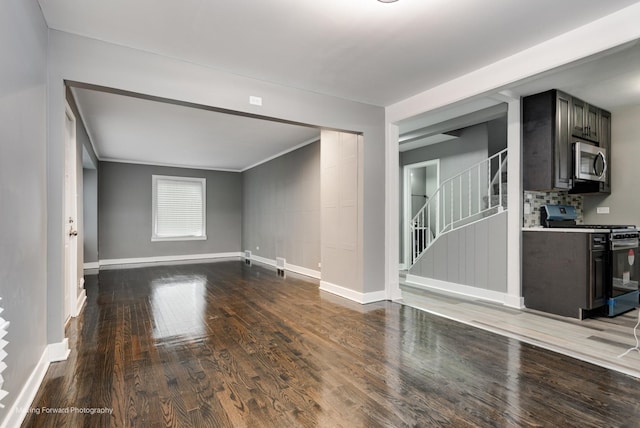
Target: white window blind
x=4, y=326
x=179, y=208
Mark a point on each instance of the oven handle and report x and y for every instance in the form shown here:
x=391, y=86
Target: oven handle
x=624, y=244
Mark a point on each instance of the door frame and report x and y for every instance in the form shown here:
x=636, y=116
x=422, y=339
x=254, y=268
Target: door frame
x=406, y=217
x=70, y=218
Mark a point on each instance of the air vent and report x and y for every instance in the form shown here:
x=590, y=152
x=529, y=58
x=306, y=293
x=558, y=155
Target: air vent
x=4, y=325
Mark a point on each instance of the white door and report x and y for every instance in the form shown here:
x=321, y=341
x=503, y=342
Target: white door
x=70, y=227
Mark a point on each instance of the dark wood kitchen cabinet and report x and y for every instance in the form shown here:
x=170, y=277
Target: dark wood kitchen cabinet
x=585, y=119
x=547, y=163
x=551, y=122
x=605, y=143
x=564, y=273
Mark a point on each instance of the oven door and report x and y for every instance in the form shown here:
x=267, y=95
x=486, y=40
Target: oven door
x=590, y=162
x=625, y=266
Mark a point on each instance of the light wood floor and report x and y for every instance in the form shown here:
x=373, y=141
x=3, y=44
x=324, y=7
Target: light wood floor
x=230, y=345
x=599, y=341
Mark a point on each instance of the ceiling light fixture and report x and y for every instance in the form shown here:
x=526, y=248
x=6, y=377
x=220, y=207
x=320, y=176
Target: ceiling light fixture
x=387, y=1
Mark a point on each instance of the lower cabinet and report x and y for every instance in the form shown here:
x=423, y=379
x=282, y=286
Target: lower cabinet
x=562, y=272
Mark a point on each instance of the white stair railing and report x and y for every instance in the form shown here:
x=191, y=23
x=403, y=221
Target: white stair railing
x=468, y=196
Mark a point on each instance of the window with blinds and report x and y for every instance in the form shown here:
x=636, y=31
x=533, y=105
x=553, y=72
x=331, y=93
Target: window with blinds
x=179, y=208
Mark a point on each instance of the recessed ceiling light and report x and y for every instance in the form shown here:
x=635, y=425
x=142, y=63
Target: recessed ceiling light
x=387, y=1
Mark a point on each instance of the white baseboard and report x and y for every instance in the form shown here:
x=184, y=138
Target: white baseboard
x=58, y=351
x=356, y=296
x=394, y=293
x=164, y=260
x=91, y=266
x=460, y=289
x=17, y=412
x=82, y=298
x=287, y=266
x=516, y=302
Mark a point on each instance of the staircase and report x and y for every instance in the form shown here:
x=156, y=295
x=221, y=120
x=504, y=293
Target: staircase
x=477, y=192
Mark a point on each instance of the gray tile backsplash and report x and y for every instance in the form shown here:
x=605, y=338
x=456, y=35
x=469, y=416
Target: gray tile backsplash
x=538, y=199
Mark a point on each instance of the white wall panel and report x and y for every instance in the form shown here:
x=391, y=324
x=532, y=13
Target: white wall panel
x=341, y=213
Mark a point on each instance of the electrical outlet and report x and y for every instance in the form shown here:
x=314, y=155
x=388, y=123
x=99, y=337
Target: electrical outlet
x=602, y=210
x=256, y=101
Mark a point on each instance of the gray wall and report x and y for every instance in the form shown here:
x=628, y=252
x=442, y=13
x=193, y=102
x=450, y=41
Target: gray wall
x=23, y=197
x=474, y=255
x=125, y=212
x=624, y=203
x=470, y=147
x=497, y=134
x=281, y=208
x=90, y=215
x=418, y=188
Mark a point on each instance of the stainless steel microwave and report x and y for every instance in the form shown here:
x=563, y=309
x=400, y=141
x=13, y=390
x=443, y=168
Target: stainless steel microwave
x=590, y=163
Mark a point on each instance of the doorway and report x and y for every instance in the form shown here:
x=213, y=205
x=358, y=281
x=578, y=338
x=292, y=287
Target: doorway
x=70, y=285
x=421, y=180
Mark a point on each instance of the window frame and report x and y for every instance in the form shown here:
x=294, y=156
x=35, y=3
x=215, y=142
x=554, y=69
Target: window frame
x=154, y=203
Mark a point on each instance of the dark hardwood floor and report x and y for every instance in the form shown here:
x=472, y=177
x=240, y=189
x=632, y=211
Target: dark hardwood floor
x=227, y=344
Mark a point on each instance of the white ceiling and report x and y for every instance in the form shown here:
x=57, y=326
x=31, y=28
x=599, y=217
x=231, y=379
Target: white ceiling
x=128, y=129
x=361, y=50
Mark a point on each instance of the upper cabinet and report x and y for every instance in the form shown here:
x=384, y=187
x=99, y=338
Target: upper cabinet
x=585, y=120
x=552, y=122
x=605, y=143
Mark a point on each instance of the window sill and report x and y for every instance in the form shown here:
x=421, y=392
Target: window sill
x=178, y=238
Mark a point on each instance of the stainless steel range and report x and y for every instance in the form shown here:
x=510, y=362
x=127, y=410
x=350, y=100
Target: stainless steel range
x=616, y=246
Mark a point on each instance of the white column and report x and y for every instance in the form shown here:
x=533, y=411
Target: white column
x=514, y=197
x=392, y=214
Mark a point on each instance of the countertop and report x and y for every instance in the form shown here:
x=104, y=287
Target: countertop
x=563, y=229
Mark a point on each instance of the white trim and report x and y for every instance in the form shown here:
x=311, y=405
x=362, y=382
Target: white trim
x=17, y=412
x=169, y=165
x=287, y=266
x=303, y=270
x=392, y=212
x=299, y=146
x=53, y=352
x=71, y=212
x=58, y=351
x=263, y=260
x=454, y=288
x=82, y=298
x=356, y=296
x=514, y=200
x=516, y=302
x=164, y=260
x=91, y=265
